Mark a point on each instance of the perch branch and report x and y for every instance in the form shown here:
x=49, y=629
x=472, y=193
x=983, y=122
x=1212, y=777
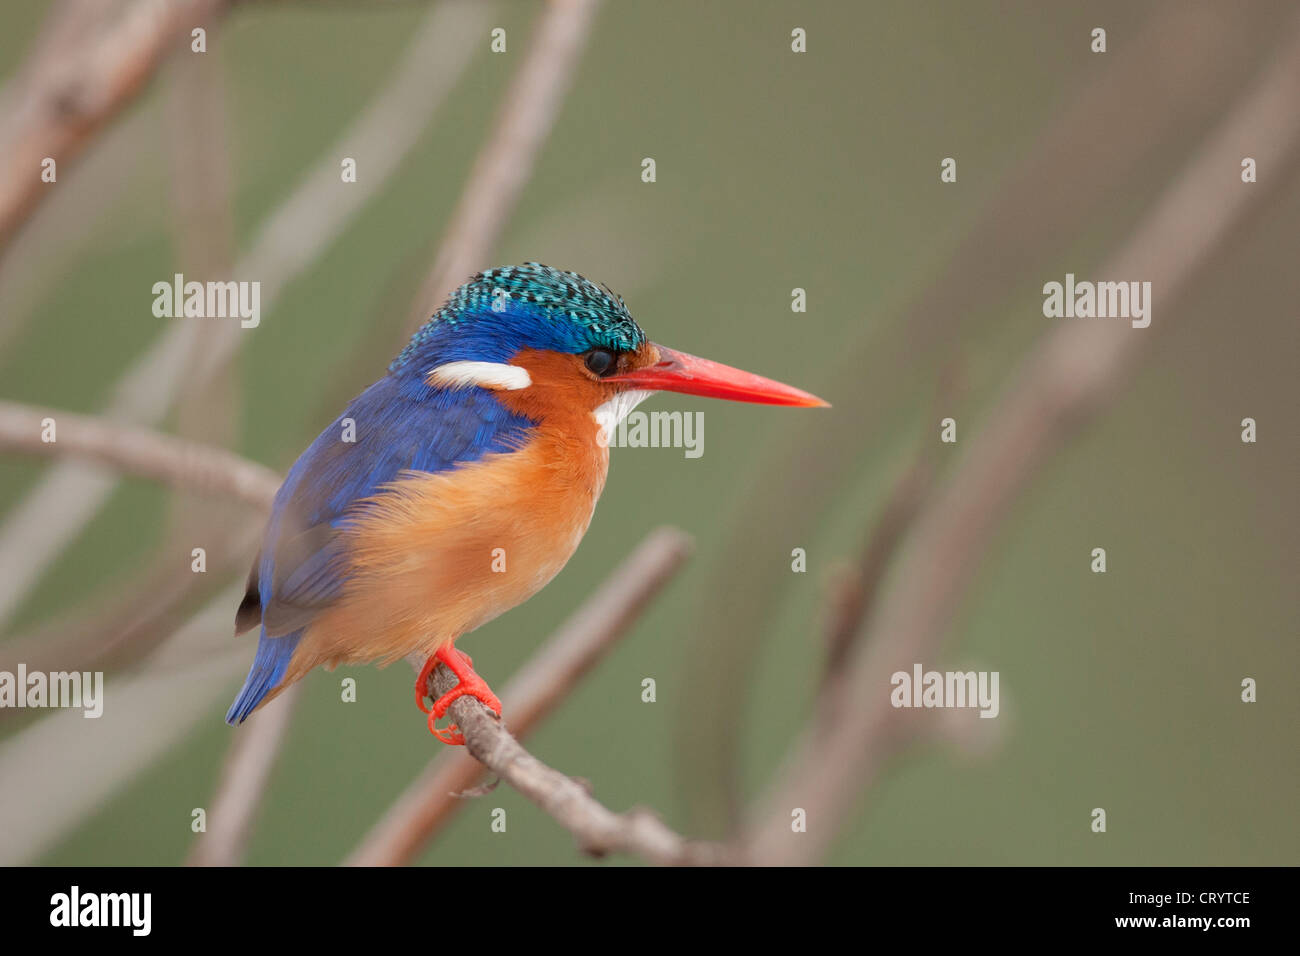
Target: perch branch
x=547, y=679
x=597, y=829
x=1065, y=381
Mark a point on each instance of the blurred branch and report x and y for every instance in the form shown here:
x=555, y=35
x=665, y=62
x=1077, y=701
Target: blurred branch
x=57, y=772
x=121, y=632
x=138, y=614
x=137, y=451
x=83, y=213
x=202, y=223
x=854, y=590
x=248, y=767
x=288, y=241
x=1149, y=92
x=548, y=678
x=93, y=58
x=505, y=163
x=1067, y=380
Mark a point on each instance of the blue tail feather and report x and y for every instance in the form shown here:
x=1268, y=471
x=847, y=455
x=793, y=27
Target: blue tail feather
x=269, y=667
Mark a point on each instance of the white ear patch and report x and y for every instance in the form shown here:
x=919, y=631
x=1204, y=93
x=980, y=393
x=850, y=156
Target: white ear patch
x=609, y=414
x=482, y=374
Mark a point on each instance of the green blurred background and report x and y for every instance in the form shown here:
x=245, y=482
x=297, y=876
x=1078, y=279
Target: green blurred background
x=775, y=170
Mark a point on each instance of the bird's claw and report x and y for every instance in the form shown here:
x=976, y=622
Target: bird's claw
x=422, y=679
x=469, y=683
x=449, y=735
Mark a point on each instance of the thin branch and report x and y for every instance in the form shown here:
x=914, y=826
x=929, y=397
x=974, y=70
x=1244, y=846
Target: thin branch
x=137, y=451
x=202, y=223
x=84, y=71
x=505, y=163
x=854, y=591
x=248, y=767
x=597, y=829
x=1067, y=380
x=429, y=802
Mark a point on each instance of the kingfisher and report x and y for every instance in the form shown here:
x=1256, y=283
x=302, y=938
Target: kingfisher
x=459, y=484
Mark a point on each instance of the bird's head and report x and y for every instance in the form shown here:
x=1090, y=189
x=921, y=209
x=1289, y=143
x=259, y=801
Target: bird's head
x=545, y=340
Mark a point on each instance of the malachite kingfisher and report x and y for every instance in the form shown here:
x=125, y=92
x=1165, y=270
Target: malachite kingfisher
x=487, y=437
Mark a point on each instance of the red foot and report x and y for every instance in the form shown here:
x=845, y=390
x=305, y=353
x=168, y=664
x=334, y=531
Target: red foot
x=422, y=681
x=460, y=664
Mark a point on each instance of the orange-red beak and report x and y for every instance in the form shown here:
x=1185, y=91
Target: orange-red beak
x=679, y=372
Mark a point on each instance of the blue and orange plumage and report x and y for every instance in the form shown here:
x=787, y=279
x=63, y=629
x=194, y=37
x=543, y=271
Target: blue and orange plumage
x=484, y=435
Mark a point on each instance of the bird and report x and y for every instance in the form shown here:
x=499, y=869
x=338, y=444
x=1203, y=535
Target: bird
x=458, y=485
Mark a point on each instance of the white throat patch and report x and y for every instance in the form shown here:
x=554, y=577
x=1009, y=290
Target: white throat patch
x=609, y=414
x=482, y=374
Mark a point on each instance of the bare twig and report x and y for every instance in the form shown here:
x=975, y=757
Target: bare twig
x=137, y=451
x=506, y=160
x=248, y=767
x=429, y=802
x=1067, y=380
x=89, y=64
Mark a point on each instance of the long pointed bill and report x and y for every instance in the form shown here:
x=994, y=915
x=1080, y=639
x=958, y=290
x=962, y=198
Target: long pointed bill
x=679, y=372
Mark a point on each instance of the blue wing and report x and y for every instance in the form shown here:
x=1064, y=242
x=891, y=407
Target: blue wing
x=301, y=569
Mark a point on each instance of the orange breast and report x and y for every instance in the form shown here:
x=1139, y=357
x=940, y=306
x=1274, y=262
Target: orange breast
x=438, y=555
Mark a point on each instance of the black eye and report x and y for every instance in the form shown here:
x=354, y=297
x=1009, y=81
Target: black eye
x=600, y=362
